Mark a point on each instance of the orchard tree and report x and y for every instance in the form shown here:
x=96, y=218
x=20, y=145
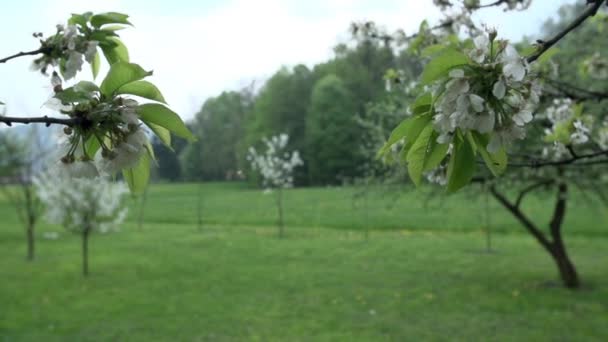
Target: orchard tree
x=484, y=101
x=83, y=205
x=19, y=163
x=276, y=167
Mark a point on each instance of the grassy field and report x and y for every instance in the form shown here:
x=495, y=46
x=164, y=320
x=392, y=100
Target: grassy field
x=423, y=273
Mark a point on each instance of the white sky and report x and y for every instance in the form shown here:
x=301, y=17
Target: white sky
x=197, y=49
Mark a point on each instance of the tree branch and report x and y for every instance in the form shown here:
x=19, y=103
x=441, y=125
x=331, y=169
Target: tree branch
x=546, y=45
x=21, y=54
x=529, y=225
x=568, y=161
x=526, y=190
x=9, y=121
x=574, y=92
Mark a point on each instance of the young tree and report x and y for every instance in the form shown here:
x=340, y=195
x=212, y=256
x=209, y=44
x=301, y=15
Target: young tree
x=19, y=162
x=82, y=205
x=276, y=166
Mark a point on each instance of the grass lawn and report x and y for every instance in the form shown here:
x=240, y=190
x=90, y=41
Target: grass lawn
x=422, y=275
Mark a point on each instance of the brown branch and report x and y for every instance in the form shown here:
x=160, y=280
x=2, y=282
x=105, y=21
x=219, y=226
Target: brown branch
x=526, y=190
x=543, y=46
x=575, y=92
x=528, y=224
x=9, y=121
x=569, y=161
x=21, y=54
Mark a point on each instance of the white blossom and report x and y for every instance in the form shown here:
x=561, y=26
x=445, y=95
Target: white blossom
x=499, y=89
x=482, y=48
x=73, y=65
x=276, y=165
x=125, y=155
x=89, y=54
x=81, y=204
x=513, y=64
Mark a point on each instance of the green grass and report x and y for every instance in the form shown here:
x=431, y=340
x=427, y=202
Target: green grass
x=422, y=275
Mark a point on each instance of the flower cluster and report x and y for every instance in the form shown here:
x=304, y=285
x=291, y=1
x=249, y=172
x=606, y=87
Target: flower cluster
x=69, y=45
x=79, y=204
x=276, y=165
x=492, y=94
x=569, y=127
x=437, y=175
x=596, y=67
x=113, y=128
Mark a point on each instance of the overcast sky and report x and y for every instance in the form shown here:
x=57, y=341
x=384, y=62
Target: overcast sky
x=200, y=48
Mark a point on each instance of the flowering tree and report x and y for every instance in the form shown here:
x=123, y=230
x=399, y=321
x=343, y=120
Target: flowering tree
x=18, y=165
x=82, y=205
x=276, y=167
x=479, y=101
x=104, y=124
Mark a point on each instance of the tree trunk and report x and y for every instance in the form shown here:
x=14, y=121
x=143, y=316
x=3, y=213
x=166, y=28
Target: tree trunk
x=199, y=207
x=567, y=271
x=280, y=210
x=30, y=241
x=85, y=253
x=555, y=246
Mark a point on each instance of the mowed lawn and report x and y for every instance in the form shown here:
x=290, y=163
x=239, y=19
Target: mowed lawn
x=423, y=274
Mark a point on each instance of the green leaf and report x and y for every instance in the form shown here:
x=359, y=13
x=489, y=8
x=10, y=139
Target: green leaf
x=436, y=153
x=137, y=178
x=162, y=116
x=496, y=162
x=143, y=89
x=416, y=156
x=442, y=64
x=419, y=122
x=432, y=50
x=72, y=95
x=425, y=154
x=162, y=133
x=116, y=51
x=91, y=145
x=113, y=28
x=101, y=19
x=422, y=104
x=461, y=166
x=150, y=151
x=86, y=86
x=80, y=19
x=95, y=65
x=397, y=134
x=122, y=73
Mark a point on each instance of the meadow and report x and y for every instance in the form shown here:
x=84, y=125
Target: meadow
x=422, y=272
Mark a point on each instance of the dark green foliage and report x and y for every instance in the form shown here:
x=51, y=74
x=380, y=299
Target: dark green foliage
x=219, y=128
x=332, y=133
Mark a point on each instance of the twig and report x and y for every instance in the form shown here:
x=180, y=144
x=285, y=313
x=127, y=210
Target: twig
x=21, y=54
x=546, y=45
x=575, y=92
x=568, y=161
x=526, y=190
x=9, y=121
